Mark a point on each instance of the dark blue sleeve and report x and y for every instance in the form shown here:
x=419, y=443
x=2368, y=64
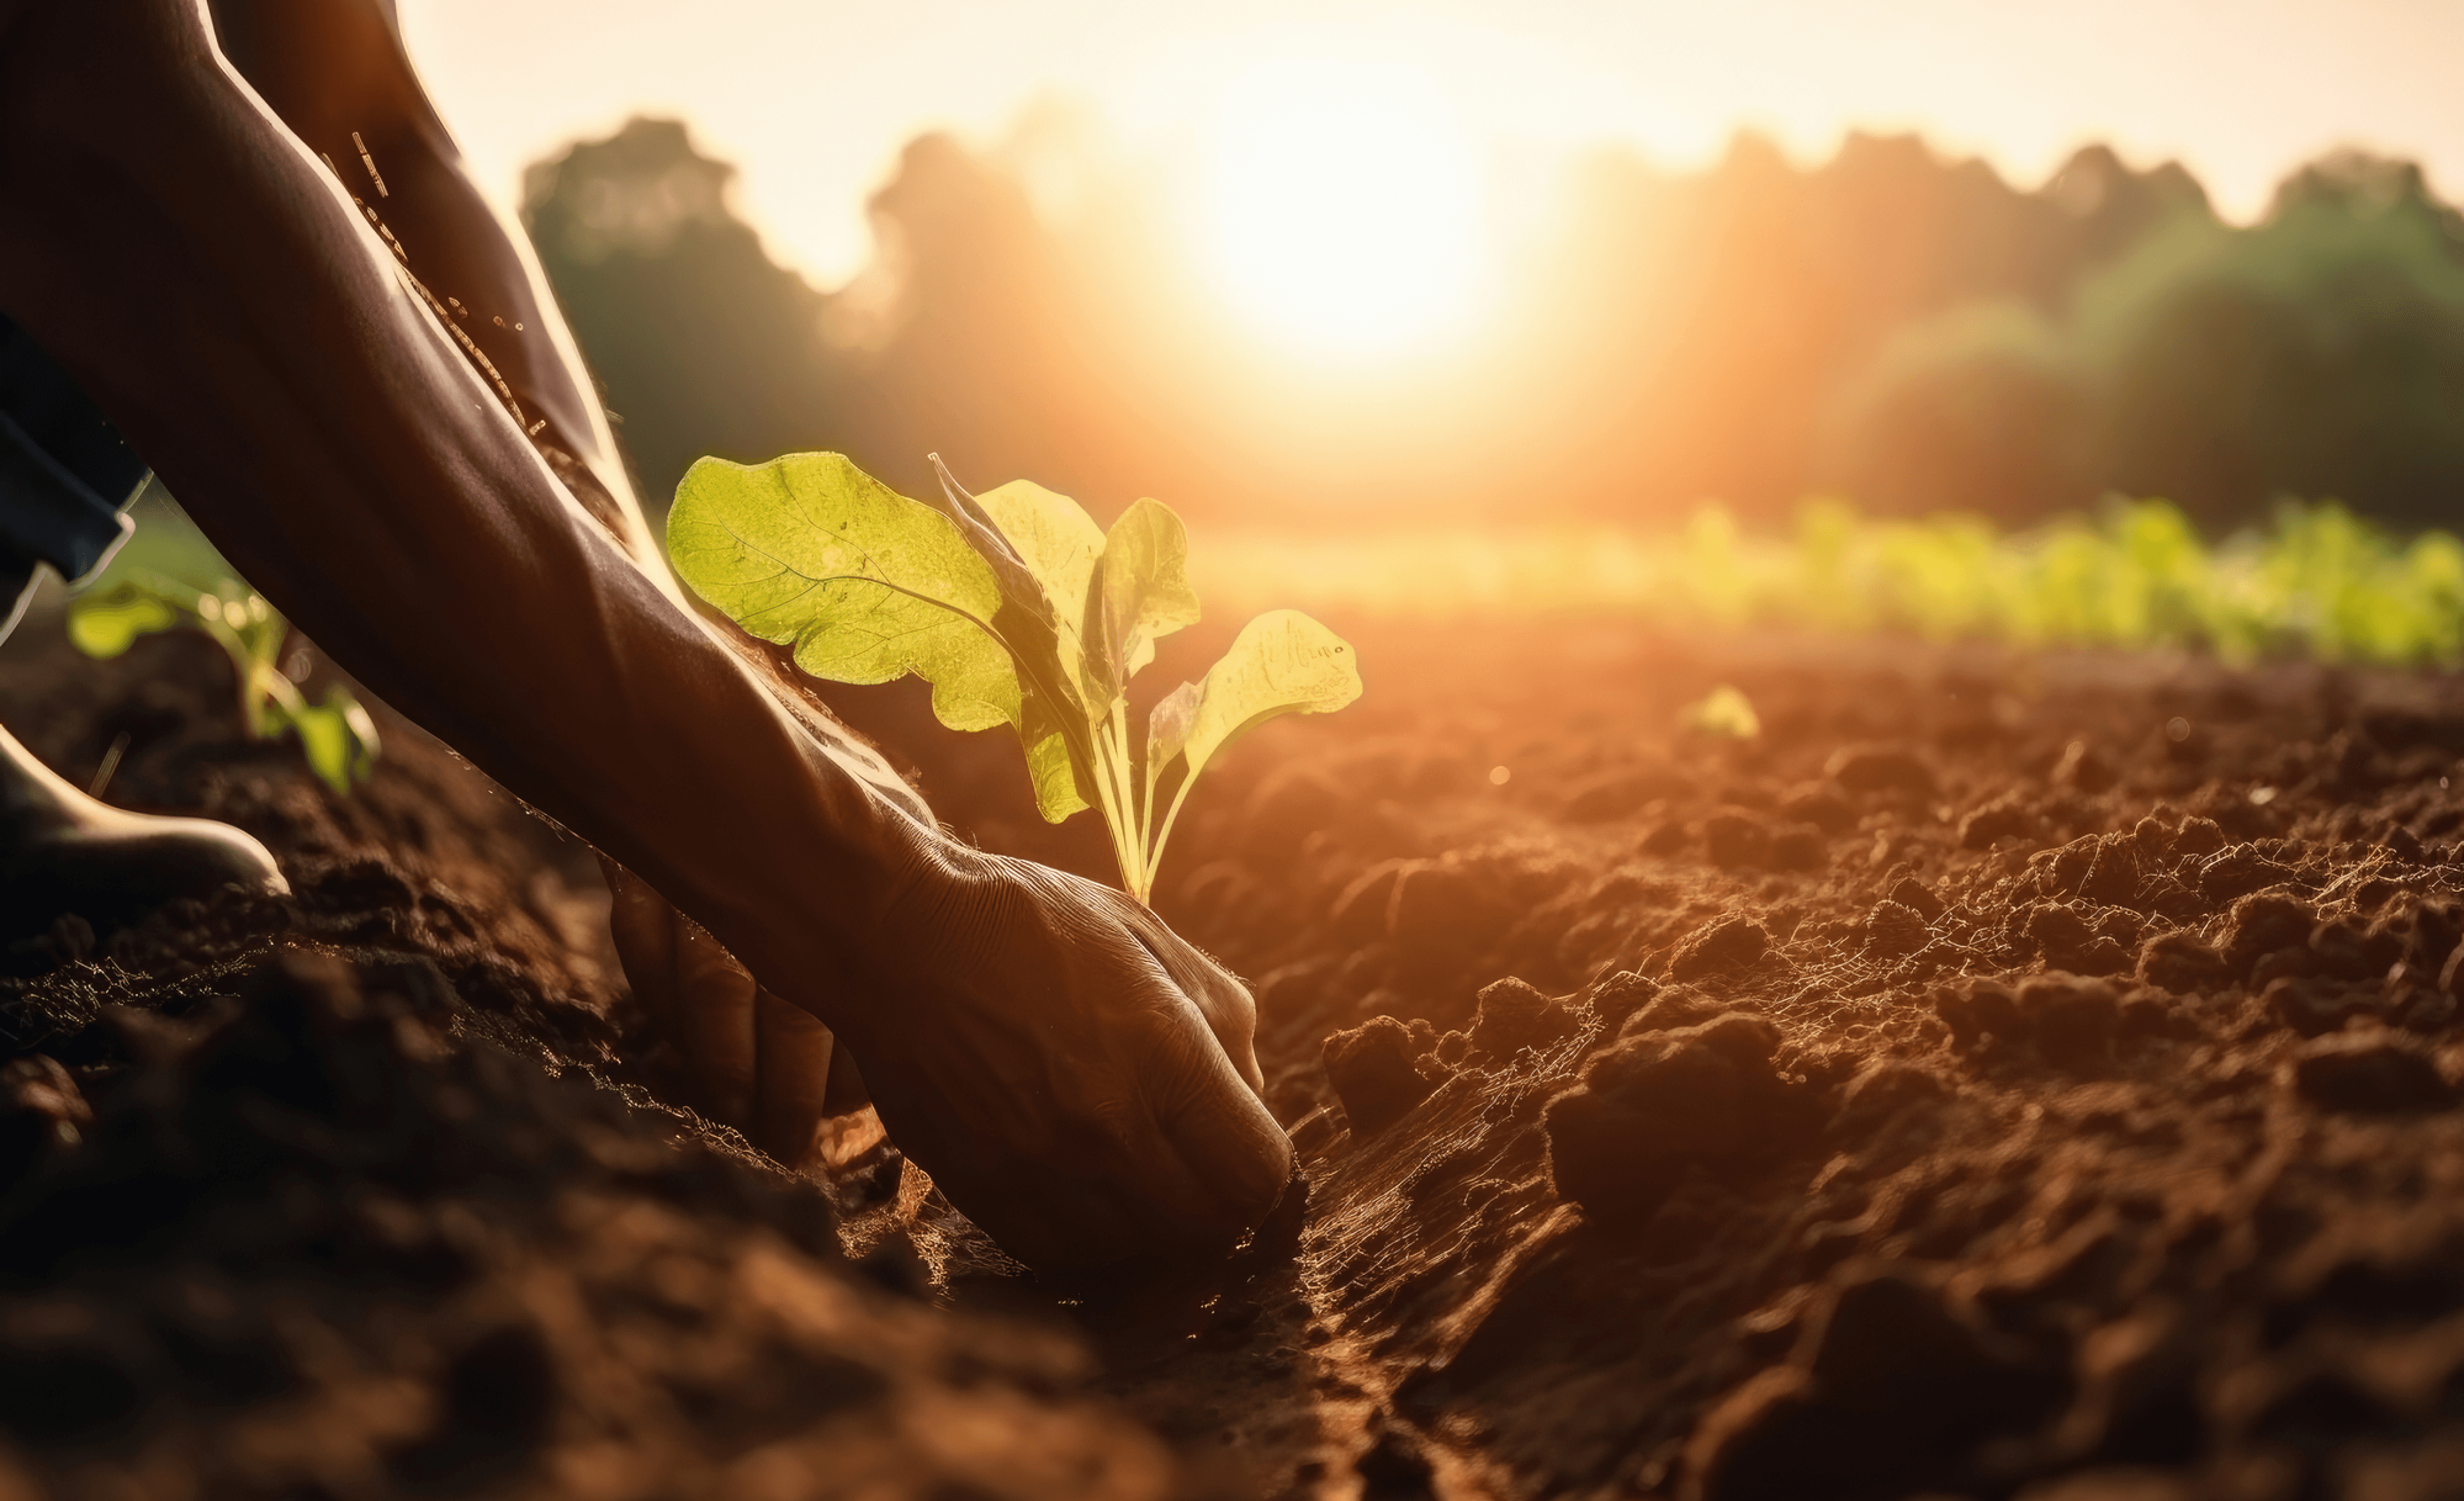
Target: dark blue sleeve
x=65, y=472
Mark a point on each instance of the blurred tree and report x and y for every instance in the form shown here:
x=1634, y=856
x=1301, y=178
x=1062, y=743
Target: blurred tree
x=1908, y=330
x=1974, y=410
x=701, y=344
x=1756, y=331
x=2318, y=354
x=976, y=344
x=1981, y=407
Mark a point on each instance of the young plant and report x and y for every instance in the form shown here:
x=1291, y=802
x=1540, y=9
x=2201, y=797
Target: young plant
x=338, y=737
x=1017, y=609
x=1725, y=713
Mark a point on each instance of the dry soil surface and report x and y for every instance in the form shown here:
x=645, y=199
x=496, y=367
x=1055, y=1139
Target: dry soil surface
x=2006, y=1075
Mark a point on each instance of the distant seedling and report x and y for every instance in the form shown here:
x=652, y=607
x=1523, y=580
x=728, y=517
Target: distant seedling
x=338, y=737
x=1017, y=609
x=1725, y=712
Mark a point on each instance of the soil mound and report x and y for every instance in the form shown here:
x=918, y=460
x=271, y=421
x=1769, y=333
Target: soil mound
x=2004, y=1077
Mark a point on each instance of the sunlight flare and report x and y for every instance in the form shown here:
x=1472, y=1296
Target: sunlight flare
x=1346, y=202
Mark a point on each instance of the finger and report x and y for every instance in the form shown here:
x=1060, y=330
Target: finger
x=1138, y=1168
x=848, y=1092
x=1233, y=1018
x=715, y=1023
x=644, y=928
x=1196, y=1161
x=1096, y=1184
x=1229, y=1145
x=791, y=1072
x=1053, y=1222
x=1231, y=1013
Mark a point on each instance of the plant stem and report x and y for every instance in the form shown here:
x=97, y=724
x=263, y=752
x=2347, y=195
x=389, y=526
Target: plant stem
x=1147, y=854
x=1154, y=860
x=1118, y=818
x=252, y=714
x=1142, y=883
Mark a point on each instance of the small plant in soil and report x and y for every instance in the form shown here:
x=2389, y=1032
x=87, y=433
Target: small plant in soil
x=1017, y=609
x=337, y=737
x=1725, y=713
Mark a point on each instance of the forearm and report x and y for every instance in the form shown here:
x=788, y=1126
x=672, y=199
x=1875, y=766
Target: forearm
x=211, y=284
x=335, y=74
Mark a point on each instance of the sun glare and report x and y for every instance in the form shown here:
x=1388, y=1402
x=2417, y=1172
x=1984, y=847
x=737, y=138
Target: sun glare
x=1346, y=202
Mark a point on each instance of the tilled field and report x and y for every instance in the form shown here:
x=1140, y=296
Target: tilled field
x=2004, y=1075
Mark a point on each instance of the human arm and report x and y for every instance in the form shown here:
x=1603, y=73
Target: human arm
x=195, y=266
x=335, y=72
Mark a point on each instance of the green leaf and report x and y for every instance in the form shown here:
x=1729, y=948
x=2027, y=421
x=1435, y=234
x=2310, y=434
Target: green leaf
x=255, y=624
x=337, y=738
x=1725, y=711
x=1049, y=670
x=1048, y=767
x=867, y=584
x=1014, y=605
x=1283, y=662
x=1168, y=726
x=1058, y=543
x=106, y=624
x=1141, y=593
x=1016, y=582
x=326, y=740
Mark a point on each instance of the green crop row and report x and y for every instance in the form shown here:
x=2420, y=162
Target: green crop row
x=2318, y=581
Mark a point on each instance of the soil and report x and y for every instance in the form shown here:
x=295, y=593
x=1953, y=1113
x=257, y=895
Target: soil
x=2007, y=1075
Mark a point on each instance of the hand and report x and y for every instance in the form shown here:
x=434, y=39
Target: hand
x=1076, y=1078
x=755, y=1062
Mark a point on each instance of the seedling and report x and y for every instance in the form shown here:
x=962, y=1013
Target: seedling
x=338, y=737
x=1726, y=712
x=1017, y=609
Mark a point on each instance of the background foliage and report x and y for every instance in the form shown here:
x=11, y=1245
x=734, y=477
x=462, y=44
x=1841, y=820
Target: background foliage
x=1891, y=326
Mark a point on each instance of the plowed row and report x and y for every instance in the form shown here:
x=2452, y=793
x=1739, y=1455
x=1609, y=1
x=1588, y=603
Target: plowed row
x=2004, y=1075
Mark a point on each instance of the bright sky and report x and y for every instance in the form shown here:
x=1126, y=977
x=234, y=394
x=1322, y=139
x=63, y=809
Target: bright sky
x=813, y=97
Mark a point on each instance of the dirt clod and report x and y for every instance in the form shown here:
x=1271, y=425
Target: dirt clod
x=1728, y=943
x=2310, y=1006
x=2008, y=816
x=1514, y=1015
x=2366, y=1074
x=1371, y=1068
x=2083, y=768
x=1654, y=1107
x=1895, y=930
x=2072, y=1017
x=1737, y=840
x=2181, y=963
x=1884, y=1091
x=1918, y=898
x=2263, y=924
x=2237, y=872
x=1883, y=1387
x=1880, y=768
x=1621, y=994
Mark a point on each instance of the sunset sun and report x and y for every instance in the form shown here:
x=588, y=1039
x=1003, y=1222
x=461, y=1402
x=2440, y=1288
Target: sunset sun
x=1345, y=202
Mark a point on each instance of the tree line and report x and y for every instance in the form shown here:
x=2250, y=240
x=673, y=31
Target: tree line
x=1908, y=331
